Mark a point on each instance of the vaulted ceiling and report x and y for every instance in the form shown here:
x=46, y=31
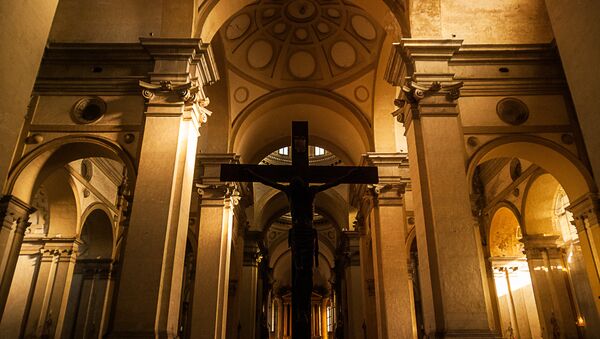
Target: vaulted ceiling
x=316, y=43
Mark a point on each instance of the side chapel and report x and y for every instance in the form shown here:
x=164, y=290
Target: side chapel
x=482, y=118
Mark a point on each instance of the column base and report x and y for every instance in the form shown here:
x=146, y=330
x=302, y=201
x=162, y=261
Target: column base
x=471, y=334
x=141, y=334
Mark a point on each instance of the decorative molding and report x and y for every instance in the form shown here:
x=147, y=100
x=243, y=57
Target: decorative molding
x=15, y=214
x=586, y=211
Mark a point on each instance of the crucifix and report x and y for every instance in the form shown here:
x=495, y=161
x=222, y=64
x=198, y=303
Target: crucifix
x=302, y=237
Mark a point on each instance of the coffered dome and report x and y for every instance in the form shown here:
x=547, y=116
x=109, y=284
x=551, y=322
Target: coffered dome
x=322, y=43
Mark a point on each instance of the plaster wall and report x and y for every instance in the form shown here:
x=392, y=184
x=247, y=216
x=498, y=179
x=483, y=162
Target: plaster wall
x=490, y=21
x=544, y=110
x=577, y=31
x=106, y=21
x=20, y=55
x=120, y=110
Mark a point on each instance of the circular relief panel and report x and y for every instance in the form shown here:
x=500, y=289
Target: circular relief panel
x=88, y=110
x=363, y=27
x=361, y=93
x=343, y=54
x=301, y=34
x=323, y=28
x=301, y=10
x=241, y=94
x=512, y=111
x=86, y=169
x=238, y=26
x=260, y=54
x=302, y=64
x=516, y=169
x=279, y=28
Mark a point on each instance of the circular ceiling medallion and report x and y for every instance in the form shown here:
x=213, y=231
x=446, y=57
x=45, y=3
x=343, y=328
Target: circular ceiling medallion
x=269, y=13
x=361, y=93
x=238, y=26
x=343, y=54
x=301, y=34
x=240, y=94
x=512, y=111
x=363, y=27
x=323, y=27
x=260, y=54
x=301, y=10
x=279, y=28
x=302, y=64
x=334, y=13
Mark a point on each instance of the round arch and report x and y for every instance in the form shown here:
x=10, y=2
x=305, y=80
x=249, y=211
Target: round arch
x=38, y=164
x=97, y=234
x=504, y=227
x=538, y=205
x=265, y=124
x=570, y=172
x=63, y=204
x=273, y=204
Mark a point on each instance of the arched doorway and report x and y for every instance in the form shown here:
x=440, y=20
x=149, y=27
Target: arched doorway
x=61, y=179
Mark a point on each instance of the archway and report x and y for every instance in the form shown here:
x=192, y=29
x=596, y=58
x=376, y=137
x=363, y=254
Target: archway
x=516, y=302
x=62, y=178
x=88, y=294
x=523, y=175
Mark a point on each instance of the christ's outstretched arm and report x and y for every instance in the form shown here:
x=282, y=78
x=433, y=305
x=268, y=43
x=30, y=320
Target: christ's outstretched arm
x=333, y=183
x=268, y=182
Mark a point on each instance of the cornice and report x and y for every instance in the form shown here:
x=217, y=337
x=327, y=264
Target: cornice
x=506, y=54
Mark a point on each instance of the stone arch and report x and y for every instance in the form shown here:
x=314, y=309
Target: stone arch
x=274, y=204
x=97, y=232
x=265, y=124
x=538, y=205
x=503, y=230
x=41, y=162
x=63, y=204
x=568, y=170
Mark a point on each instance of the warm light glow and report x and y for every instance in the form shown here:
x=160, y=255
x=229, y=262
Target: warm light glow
x=518, y=275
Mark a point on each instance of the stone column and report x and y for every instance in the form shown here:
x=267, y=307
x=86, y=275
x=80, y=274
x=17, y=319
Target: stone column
x=21, y=289
x=384, y=209
x=455, y=298
x=235, y=275
x=585, y=213
x=14, y=214
x=354, y=287
x=248, y=286
x=368, y=323
x=217, y=203
x=52, y=288
x=550, y=286
x=155, y=250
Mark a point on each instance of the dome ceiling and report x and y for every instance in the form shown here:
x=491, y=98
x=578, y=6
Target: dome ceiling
x=323, y=43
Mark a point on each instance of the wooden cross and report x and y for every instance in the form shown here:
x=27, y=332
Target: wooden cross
x=302, y=237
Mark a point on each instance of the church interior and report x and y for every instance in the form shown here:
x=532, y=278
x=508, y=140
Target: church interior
x=480, y=116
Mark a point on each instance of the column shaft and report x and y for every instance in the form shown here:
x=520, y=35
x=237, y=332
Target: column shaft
x=455, y=301
x=14, y=214
x=212, y=266
x=391, y=265
x=156, y=238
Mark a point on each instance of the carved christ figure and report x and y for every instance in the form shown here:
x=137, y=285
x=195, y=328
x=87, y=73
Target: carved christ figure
x=302, y=239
